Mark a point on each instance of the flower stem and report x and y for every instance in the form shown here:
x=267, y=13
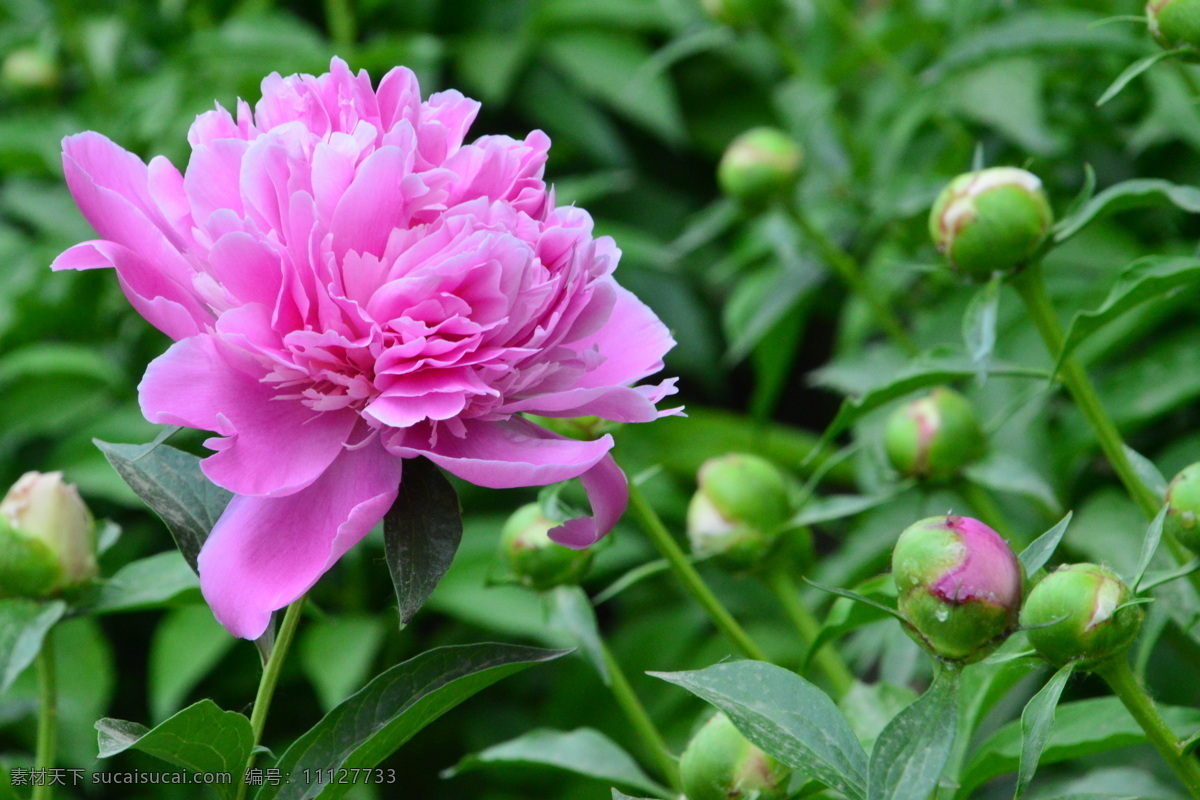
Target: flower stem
x=642, y=724
x=847, y=269
x=827, y=659
x=268, y=681
x=667, y=547
x=47, y=730
x=1120, y=678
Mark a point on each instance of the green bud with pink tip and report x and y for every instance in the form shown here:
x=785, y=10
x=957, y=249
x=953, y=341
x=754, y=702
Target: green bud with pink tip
x=1175, y=24
x=759, y=166
x=935, y=436
x=1081, y=613
x=47, y=538
x=535, y=560
x=959, y=586
x=740, y=511
x=993, y=220
x=719, y=763
x=1183, y=508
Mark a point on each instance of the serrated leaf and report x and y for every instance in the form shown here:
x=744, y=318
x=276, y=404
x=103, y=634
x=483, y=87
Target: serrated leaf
x=911, y=752
x=569, y=610
x=583, y=751
x=1142, y=281
x=979, y=325
x=421, y=534
x=202, y=738
x=23, y=627
x=391, y=709
x=150, y=582
x=1135, y=69
x=1150, y=543
x=1039, y=551
x=786, y=716
x=171, y=483
x=1037, y=720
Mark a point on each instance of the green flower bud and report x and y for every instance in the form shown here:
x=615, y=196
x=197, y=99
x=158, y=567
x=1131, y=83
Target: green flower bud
x=739, y=511
x=1183, y=508
x=959, y=586
x=534, y=559
x=991, y=220
x=760, y=165
x=584, y=429
x=29, y=70
x=719, y=763
x=740, y=13
x=934, y=436
x=1075, y=614
x=47, y=537
x=1175, y=24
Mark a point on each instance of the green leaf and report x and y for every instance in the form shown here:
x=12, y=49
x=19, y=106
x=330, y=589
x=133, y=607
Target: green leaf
x=1144, y=280
x=619, y=795
x=1147, y=472
x=187, y=644
x=1002, y=472
x=979, y=324
x=1135, y=193
x=421, y=534
x=569, y=610
x=23, y=627
x=171, y=483
x=840, y=506
x=150, y=582
x=583, y=751
x=202, y=738
x=391, y=709
x=1135, y=69
x=869, y=708
x=1082, y=728
x=847, y=615
x=786, y=716
x=631, y=578
x=1039, y=551
x=336, y=654
x=1036, y=722
x=1154, y=534
x=909, y=756
x=857, y=598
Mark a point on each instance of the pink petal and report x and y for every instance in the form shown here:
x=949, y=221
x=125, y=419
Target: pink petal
x=608, y=492
x=633, y=343
x=264, y=553
x=274, y=448
x=372, y=205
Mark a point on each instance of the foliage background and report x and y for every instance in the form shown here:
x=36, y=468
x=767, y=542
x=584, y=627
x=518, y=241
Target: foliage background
x=640, y=98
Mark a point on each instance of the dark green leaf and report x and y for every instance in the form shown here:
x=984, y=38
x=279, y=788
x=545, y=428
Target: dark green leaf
x=392, y=708
x=909, y=756
x=583, y=751
x=857, y=598
x=1135, y=69
x=149, y=582
x=569, y=610
x=171, y=483
x=786, y=716
x=841, y=506
x=23, y=626
x=1039, y=551
x=1002, y=472
x=1154, y=534
x=337, y=653
x=202, y=738
x=869, y=708
x=187, y=644
x=421, y=534
x=847, y=615
x=1036, y=722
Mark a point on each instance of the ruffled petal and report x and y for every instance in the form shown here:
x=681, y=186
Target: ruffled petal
x=264, y=553
x=633, y=343
x=275, y=447
x=608, y=492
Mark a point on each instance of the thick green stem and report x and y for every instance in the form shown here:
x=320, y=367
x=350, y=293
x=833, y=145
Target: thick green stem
x=47, y=730
x=692, y=582
x=847, y=269
x=841, y=679
x=635, y=712
x=268, y=681
x=1125, y=686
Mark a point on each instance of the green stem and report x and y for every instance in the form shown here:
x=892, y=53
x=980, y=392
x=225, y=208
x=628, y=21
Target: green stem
x=635, y=712
x=667, y=547
x=847, y=269
x=1125, y=686
x=982, y=504
x=827, y=659
x=268, y=681
x=339, y=17
x=47, y=730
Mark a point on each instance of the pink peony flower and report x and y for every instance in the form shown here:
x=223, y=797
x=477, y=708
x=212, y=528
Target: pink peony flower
x=348, y=285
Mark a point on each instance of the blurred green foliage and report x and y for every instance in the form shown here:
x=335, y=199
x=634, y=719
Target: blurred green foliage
x=889, y=100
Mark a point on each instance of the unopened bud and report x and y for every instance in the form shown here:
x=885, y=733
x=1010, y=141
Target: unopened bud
x=1081, y=612
x=934, y=436
x=759, y=166
x=959, y=586
x=47, y=537
x=1183, y=508
x=991, y=220
x=739, y=511
x=1175, y=24
x=719, y=763
x=535, y=560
